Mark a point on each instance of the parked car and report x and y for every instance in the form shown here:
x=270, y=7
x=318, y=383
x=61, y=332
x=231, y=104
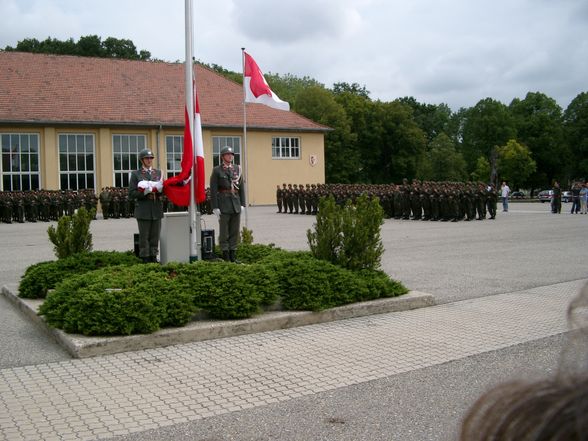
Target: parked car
x=517, y=195
x=545, y=195
x=566, y=196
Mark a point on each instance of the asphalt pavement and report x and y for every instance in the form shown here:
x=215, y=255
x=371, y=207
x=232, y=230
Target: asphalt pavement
x=525, y=252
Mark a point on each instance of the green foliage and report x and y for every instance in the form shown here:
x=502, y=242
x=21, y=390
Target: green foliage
x=307, y=283
x=87, y=46
x=117, y=301
x=226, y=290
x=486, y=125
x=576, y=134
x=246, y=236
x=442, y=162
x=348, y=236
x=253, y=253
x=515, y=164
x=72, y=235
x=41, y=277
x=482, y=171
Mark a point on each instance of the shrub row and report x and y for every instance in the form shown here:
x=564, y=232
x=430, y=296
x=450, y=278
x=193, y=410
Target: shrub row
x=143, y=298
x=41, y=277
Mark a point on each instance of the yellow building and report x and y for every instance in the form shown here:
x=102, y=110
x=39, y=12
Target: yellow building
x=76, y=122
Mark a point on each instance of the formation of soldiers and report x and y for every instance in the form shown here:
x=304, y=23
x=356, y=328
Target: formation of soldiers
x=43, y=205
x=419, y=200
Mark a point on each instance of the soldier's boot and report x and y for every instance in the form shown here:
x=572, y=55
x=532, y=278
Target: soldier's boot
x=233, y=256
x=226, y=256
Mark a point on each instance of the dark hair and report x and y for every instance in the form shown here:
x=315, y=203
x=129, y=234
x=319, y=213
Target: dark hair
x=553, y=409
x=549, y=410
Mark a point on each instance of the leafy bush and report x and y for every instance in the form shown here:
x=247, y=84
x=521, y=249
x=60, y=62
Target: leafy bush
x=251, y=253
x=226, y=290
x=41, y=277
x=246, y=236
x=72, y=234
x=142, y=298
x=118, y=301
x=348, y=236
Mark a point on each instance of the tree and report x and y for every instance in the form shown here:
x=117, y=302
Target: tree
x=538, y=121
x=486, y=125
x=341, y=157
x=482, y=171
x=87, y=46
x=442, y=161
x=515, y=164
x=575, y=123
x=432, y=119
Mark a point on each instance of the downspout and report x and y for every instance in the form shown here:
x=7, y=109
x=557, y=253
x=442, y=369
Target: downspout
x=157, y=146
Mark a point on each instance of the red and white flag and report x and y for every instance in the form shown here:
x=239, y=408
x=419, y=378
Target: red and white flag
x=256, y=88
x=176, y=188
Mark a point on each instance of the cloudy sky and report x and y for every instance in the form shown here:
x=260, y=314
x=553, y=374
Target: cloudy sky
x=439, y=51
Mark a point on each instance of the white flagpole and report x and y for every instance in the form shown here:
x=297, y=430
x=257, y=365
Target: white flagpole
x=195, y=251
x=244, y=152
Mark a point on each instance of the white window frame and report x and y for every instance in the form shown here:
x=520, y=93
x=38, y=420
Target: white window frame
x=18, y=168
x=125, y=156
x=218, y=142
x=77, y=161
x=174, y=148
x=286, y=147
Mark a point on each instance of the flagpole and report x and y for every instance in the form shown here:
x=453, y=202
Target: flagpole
x=195, y=251
x=244, y=155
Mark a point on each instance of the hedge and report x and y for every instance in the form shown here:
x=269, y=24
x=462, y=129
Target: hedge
x=142, y=298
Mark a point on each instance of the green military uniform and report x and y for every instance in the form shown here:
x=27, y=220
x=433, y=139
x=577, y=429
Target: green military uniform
x=227, y=196
x=148, y=206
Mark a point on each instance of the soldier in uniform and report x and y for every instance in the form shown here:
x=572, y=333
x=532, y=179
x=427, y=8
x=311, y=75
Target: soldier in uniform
x=279, y=198
x=491, y=201
x=105, y=198
x=227, y=197
x=145, y=188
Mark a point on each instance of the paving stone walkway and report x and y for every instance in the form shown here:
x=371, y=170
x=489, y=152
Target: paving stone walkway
x=130, y=392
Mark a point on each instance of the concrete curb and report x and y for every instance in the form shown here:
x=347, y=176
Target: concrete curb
x=80, y=346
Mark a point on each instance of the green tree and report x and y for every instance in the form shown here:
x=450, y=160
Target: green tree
x=341, y=157
x=538, y=121
x=486, y=125
x=432, y=119
x=575, y=123
x=86, y=46
x=515, y=164
x=482, y=170
x=442, y=161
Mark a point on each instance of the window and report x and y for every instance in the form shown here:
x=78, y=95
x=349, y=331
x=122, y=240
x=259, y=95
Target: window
x=285, y=148
x=218, y=142
x=174, y=147
x=125, y=152
x=20, y=161
x=76, y=161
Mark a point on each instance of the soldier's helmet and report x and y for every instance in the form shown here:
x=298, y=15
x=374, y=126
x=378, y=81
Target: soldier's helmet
x=226, y=149
x=145, y=153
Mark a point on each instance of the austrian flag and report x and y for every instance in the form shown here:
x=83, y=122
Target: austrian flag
x=256, y=88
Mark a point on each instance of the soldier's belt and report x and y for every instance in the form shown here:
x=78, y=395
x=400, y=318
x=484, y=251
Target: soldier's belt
x=224, y=190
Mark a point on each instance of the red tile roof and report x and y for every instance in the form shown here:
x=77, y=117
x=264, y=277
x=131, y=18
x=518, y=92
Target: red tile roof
x=57, y=89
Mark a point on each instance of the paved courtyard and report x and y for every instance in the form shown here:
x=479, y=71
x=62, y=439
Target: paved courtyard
x=502, y=286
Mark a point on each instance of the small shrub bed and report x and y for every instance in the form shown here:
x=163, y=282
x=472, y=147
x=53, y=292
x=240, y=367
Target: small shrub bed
x=41, y=277
x=118, y=300
x=142, y=298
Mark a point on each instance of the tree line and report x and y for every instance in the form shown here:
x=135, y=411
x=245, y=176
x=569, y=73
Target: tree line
x=530, y=142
